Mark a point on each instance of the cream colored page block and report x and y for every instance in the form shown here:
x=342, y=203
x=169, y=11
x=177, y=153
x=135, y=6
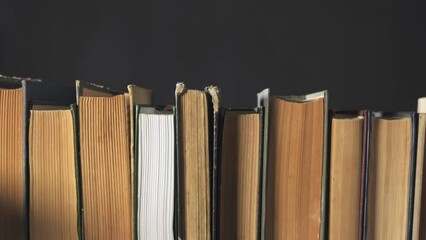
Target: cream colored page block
x=11, y=164
x=53, y=190
x=293, y=194
x=240, y=178
x=105, y=167
x=345, y=178
x=196, y=176
x=389, y=179
x=421, y=105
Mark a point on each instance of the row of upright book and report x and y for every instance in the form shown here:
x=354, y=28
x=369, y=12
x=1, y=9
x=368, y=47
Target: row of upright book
x=87, y=162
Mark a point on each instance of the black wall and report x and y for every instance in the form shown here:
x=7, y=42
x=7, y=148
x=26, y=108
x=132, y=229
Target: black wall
x=368, y=54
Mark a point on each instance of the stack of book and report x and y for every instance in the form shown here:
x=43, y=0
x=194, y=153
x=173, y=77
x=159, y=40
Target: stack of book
x=87, y=162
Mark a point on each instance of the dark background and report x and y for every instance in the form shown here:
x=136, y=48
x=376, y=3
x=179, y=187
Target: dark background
x=368, y=54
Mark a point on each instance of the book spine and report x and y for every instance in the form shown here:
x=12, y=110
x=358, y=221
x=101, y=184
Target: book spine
x=259, y=195
x=80, y=225
x=263, y=102
x=176, y=188
x=214, y=125
x=365, y=172
x=180, y=88
x=413, y=155
x=325, y=167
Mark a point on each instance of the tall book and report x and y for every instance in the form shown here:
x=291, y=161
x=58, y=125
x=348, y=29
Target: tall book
x=240, y=171
x=197, y=116
x=294, y=166
x=348, y=160
x=106, y=165
x=155, y=168
x=18, y=96
x=391, y=175
x=419, y=214
x=12, y=178
x=54, y=194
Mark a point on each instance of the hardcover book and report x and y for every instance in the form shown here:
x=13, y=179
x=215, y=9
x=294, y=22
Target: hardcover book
x=106, y=166
x=240, y=179
x=391, y=175
x=349, y=150
x=197, y=116
x=294, y=166
x=54, y=188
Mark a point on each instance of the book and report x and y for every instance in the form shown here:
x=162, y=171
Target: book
x=54, y=194
x=12, y=180
x=155, y=154
x=17, y=97
x=11, y=159
x=197, y=114
x=419, y=211
x=295, y=166
x=240, y=169
x=348, y=160
x=106, y=166
x=110, y=165
x=391, y=175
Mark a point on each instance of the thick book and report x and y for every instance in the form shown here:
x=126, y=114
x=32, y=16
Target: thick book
x=240, y=174
x=106, y=165
x=295, y=166
x=349, y=150
x=391, y=175
x=12, y=173
x=155, y=172
x=18, y=96
x=197, y=116
x=419, y=215
x=53, y=163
